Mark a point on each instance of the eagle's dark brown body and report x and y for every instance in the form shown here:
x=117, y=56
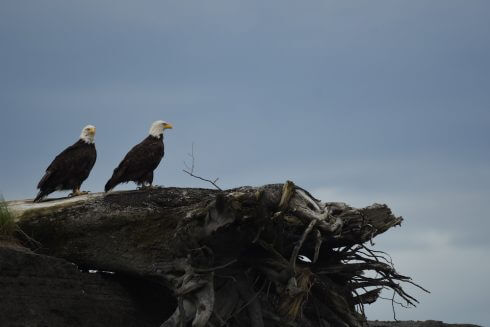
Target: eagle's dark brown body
x=68, y=170
x=140, y=162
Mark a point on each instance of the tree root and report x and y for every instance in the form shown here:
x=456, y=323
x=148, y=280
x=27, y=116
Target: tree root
x=296, y=289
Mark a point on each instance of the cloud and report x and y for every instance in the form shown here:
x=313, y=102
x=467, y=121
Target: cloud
x=455, y=276
x=458, y=216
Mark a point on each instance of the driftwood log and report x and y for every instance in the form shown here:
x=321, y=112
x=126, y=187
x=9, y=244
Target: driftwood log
x=229, y=258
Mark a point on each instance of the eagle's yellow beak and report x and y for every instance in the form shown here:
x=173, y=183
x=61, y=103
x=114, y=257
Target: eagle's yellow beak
x=167, y=125
x=92, y=130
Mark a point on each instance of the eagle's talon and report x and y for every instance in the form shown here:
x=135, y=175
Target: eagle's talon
x=77, y=193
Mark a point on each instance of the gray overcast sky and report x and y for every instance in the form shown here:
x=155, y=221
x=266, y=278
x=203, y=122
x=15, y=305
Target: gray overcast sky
x=357, y=101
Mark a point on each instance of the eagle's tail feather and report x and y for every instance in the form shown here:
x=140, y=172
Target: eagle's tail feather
x=40, y=195
x=44, y=179
x=111, y=183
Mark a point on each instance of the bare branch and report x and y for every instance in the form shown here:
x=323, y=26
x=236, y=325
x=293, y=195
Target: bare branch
x=294, y=255
x=190, y=170
x=215, y=268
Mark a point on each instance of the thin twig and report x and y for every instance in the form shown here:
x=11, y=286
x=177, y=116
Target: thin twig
x=201, y=270
x=190, y=170
x=393, y=305
x=399, y=303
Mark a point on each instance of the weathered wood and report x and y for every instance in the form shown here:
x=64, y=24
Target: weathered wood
x=202, y=244
x=40, y=290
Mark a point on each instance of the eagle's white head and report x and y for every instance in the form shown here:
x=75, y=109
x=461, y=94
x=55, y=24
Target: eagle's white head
x=158, y=127
x=88, y=134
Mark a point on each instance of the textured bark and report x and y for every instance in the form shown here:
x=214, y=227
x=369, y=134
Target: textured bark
x=39, y=290
x=228, y=257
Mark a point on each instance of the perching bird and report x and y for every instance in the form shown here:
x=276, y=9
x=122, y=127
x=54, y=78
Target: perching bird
x=140, y=162
x=71, y=167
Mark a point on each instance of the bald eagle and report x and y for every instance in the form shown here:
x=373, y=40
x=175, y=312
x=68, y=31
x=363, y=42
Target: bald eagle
x=140, y=162
x=71, y=167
